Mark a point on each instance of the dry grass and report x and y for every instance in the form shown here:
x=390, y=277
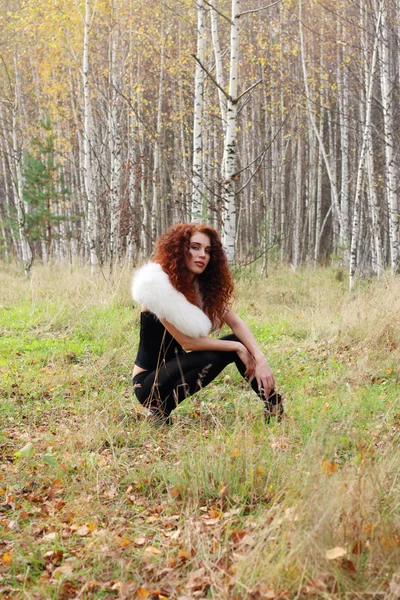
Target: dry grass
x=218, y=505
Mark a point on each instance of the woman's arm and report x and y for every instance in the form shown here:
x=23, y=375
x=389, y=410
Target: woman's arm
x=262, y=371
x=207, y=343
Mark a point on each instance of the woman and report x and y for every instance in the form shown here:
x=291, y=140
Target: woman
x=185, y=293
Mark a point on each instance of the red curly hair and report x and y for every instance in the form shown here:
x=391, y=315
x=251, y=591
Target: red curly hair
x=215, y=283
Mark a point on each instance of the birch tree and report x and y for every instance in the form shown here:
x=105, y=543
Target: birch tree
x=197, y=177
x=387, y=92
x=229, y=158
x=354, y=249
x=88, y=167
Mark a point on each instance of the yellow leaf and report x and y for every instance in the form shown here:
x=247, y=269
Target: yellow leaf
x=235, y=452
x=336, y=552
x=184, y=554
x=6, y=558
x=142, y=594
x=329, y=468
x=125, y=541
x=91, y=527
x=389, y=371
x=152, y=550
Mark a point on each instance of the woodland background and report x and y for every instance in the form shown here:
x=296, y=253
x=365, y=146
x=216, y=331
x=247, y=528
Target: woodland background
x=119, y=118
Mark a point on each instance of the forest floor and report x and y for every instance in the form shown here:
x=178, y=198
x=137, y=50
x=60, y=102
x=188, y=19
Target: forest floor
x=97, y=503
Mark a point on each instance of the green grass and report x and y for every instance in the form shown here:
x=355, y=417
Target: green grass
x=219, y=505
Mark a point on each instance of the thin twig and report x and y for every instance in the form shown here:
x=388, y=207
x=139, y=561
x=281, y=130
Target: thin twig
x=246, y=91
x=276, y=242
x=217, y=11
x=227, y=96
x=248, y=12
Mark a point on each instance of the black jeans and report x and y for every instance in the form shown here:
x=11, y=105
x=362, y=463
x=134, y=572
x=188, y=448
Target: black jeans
x=179, y=378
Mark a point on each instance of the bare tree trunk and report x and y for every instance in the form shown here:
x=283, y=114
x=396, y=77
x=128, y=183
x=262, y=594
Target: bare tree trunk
x=17, y=179
x=361, y=162
x=115, y=150
x=229, y=160
x=197, y=176
x=387, y=89
x=88, y=172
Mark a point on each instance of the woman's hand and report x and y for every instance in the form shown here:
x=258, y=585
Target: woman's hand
x=264, y=376
x=247, y=359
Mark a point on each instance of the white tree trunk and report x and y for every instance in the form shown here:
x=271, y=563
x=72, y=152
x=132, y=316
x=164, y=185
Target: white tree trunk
x=17, y=178
x=387, y=90
x=197, y=177
x=88, y=175
x=361, y=162
x=156, y=208
x=218, y=63
x=298, y=202
x=229, y=160
x=343, y=93
x=115, y=149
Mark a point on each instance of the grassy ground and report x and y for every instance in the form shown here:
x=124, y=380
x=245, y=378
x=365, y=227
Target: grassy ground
x=95, y=503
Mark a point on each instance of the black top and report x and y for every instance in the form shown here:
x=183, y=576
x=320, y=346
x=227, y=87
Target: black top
x=156, y=344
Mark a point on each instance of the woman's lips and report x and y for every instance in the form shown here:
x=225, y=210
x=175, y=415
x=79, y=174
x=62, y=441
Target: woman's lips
x=199, y=264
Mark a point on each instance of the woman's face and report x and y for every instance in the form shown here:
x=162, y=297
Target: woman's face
x=198, y=257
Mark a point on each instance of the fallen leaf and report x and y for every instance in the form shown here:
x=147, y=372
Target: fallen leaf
x=358, y=547
x=235, y=452
x=142, y=593
x=26, y=452
x=83, y=531
x=153, y=519
x=139, y=541
x=329, y=468
x=334, y=553
x=174, y=491
x=6, y=558
x=184, y=554
x=124, y=542
x=238, y=535
x=63, y=570
x=152, y=550
x=348, y=565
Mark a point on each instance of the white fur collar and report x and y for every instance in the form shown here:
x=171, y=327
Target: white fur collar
x=151, y=286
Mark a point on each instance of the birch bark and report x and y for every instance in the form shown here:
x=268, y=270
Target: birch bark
x=387, y=89
x=229, y=159
x=197, y=178
x=17, y=179
x=115, y=150
x=361, y=161
x=88, y=171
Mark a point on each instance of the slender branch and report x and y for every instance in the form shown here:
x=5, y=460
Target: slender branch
x=227, y=96
x=217, y=11
x=236, y=100
x=276, y=242
x=254, y=10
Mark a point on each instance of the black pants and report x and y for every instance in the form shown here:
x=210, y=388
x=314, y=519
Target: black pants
x=179, y=378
